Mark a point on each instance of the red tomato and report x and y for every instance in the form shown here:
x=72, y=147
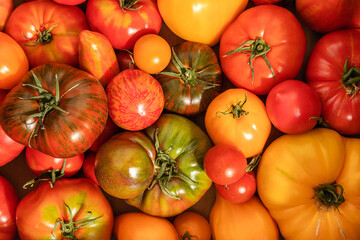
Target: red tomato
x=291, y=106
x=135, y=99
x=224, y=164
x=39, y=162
x=13, y=62
x=110, y=129
x=47, y=31
x=6, y=7
x=276, y=2
x=240, y=191
x=266, y=44
x=125, y=59
x=326, y=16
x=9, y=201
x=335, y=77
x=69, y=2
x=89, y=167
x=123, y=22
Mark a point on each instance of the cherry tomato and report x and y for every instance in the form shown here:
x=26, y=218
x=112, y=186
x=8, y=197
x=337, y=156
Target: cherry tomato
x=125, y=59
x=224, y=164
x=292, y=105
x=192, y=225
x=152, y=53
x=240, y=191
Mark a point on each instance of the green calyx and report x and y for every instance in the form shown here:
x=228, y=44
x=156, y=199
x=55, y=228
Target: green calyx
x=44, y=37
x=256, y=48
x=237, y=110
x=129, y=5
x=351, y=79
x=166, y=169
x=190, y=76
x=47, y=103
x=327, y=195
x=68, y=228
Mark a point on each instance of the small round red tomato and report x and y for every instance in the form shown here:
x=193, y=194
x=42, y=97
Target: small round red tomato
x=135, y=99
x=6, y=6
x=192, y=225
x=39, y=162
x=69, y=2
x=293, y=106
x=89, y=167
x=152, y=53
x=240, y=191
x=13, y=62
x=9, y=201
x=125, y=59
x=224, y=164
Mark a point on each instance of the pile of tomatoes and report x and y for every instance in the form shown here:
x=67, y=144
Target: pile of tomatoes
x=158, y=119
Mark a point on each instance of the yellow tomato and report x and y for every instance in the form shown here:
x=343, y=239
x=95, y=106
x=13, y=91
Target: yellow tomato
x=200, y=21
x=310, y=184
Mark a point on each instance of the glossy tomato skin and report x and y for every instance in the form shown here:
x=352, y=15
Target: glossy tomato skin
x=195, y=21
x=6, y=7
x=123, y=27
x=97, y=56
x=280, y=30
x=192, y=225
x=293, y=166
x=65, y=24
x=13, y=61
x=191, y=90
x=67, y=133
x=137, y=225
x=324, y=72
x=39, y=162
x=293, y=107
x=186, y=143
x=330, y=15
x=125, y=59
x=9, y=201
x=248, y=129
x=43, y=207
x=135, y=99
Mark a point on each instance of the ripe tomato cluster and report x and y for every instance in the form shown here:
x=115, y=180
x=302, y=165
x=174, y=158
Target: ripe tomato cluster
x=208, y=119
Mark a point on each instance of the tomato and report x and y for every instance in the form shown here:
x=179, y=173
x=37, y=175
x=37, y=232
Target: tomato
x=152, y=53
x=192, y=225
x=9, y=201
x=330, y=15
x=73, y=209
x=192, y=79
x=97, y=57
x=123, y=22
x=240, y=191
x=48, y=32
x=125, y=59
x=200, y=21
x=13, y=62
x=335, y=77
x=139, y=226
x=249, y=220
x=238, y=117
x=224, y=164
x=66, y=121
x=70, y=2
x=135, y=99
x=293, y=106
x=110, y=129
x=6, y=7
x=89, y=166
x=266, y=44
x=39, y=162
x=276, y=2
x=312, y=178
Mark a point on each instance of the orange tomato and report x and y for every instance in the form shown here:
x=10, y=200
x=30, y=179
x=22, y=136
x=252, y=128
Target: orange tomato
x=140, y=226
x=248, y=221
x=238, y=117
x=6, y=6
x=13, y=62
x=152, y=53
x=192, y=225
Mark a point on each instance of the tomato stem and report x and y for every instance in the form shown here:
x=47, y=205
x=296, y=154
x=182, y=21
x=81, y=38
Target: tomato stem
x=129, y=5
x=237, y=110
x=255, y=48
x=188, y=236
x=326, y=195
x=43, y=37
x=253, y=163
x=351, y=79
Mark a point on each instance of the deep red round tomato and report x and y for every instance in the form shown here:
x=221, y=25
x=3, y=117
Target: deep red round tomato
x=135, y=99
x=69, y=2
x=73, y=209
x=39, y=162
x=122, y=21
x=293, y=107
x=6, y=7
x=125, y=59
x=333, y=71
x=224, y=164
x=60, y=120
x=262, y=47
x=47, y=31
x=240, y=191
x=326, y=16
x=89, y=166
x=9, y=201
